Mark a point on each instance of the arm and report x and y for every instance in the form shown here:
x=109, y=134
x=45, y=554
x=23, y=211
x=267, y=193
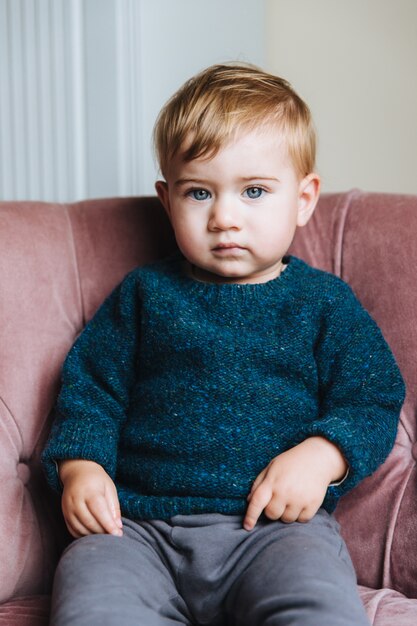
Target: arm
x=361, y=392
x=97, y=378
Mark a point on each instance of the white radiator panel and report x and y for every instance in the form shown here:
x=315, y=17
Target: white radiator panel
x=42, y=105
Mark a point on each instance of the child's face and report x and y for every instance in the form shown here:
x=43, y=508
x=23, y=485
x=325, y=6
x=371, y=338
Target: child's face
x=234, y=215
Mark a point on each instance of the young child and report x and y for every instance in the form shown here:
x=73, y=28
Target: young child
x=226, y=397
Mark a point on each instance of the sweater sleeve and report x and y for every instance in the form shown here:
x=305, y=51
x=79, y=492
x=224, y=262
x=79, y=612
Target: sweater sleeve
x=97, y=378
x=361, y=390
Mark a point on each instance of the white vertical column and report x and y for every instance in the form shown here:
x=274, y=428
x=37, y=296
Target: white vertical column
x=78, y=102
x=31, y=100
x=43, y=52
x=101, y=97
x=59, y=93
x=129, y=96
x=17, y=122
x=6, y=130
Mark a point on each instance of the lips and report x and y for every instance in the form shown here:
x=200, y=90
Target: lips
x=228, y=246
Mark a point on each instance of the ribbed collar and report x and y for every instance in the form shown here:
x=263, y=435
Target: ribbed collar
x=287, y=279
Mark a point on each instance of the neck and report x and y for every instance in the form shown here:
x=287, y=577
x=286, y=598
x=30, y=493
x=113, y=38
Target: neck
x=205, y=277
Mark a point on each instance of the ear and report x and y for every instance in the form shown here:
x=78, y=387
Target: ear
x=309, y=192
x=161, y=188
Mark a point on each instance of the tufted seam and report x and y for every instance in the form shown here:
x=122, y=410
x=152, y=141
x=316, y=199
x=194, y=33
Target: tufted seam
x=69, y=216
x=343, y=209
x=405, y=423
x=24, y=556
x=381, y=597
x=386, y=581
x=16, y=426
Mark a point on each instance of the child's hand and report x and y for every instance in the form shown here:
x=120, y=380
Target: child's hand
x=89, y=500
x=293, y=486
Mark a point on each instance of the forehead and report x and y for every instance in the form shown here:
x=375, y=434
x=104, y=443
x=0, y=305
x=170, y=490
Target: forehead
x=242, y=152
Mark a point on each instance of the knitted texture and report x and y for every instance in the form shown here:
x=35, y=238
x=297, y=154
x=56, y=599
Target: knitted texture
x=184, y=391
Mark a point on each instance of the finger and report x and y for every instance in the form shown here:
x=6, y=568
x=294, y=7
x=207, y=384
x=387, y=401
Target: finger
x=305, y=516
x=89, y=520
x=275, y=508
x=100, y=510
x=76, y=528
x=114, y=505
x=259, y=500
x=307, y=513
x=83, y=516
x=290, y=514
x=79, y=516
x=258, y=480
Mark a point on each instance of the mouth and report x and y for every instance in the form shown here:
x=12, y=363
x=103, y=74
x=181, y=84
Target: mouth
x=228, y=247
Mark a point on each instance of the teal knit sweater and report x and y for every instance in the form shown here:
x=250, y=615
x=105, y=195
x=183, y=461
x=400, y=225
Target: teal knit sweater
x=184, y=391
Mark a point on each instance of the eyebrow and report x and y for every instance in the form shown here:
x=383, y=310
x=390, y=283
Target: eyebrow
x=249, y=178
x=187, y=181
x=201, y=181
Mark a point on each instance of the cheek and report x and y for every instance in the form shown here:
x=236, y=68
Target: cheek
x=276, y=233
x=187, y=236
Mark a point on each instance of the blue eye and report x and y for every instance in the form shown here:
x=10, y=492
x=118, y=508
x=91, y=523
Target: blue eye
x=199, y=194
x=254, y=192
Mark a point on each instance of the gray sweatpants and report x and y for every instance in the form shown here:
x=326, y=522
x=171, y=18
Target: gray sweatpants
x=207, y=570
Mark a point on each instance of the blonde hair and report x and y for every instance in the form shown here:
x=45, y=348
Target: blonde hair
x=206, y=112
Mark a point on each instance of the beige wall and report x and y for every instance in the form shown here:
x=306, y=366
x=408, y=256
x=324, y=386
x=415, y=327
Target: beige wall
x=355, y=63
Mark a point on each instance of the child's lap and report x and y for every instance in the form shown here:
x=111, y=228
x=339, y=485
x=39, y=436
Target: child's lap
x=201, y=566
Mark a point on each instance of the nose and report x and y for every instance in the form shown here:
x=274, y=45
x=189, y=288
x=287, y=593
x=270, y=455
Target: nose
x=224, y=216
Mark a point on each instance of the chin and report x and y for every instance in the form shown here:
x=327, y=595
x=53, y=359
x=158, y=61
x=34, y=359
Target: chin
x=216, y=275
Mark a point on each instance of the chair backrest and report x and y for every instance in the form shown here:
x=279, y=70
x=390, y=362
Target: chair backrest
x=57, y=264
x=370, y=240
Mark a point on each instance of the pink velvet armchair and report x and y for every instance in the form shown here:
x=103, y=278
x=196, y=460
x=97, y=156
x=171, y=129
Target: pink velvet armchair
x=58, y=262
